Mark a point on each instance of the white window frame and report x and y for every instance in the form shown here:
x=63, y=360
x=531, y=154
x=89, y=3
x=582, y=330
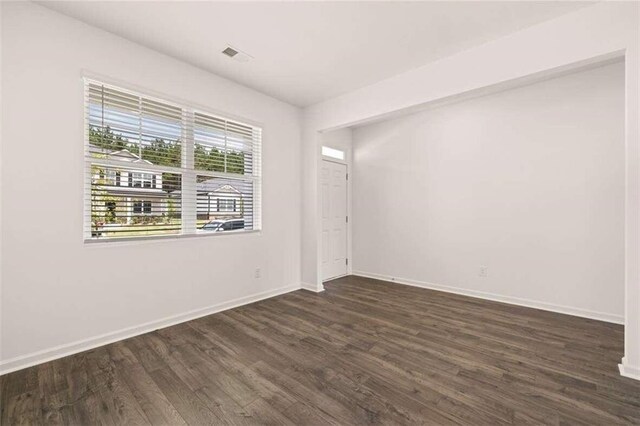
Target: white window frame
x=141, y=178
x=187, y=170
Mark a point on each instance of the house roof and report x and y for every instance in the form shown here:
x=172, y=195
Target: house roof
x=126, y=155
x=227, y=188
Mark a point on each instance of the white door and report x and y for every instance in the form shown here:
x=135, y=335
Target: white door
x=334, y=219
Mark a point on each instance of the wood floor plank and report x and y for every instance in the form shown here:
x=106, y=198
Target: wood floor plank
x=186, y=402
x=146, y=392
x=115, y=400
x=362, y=352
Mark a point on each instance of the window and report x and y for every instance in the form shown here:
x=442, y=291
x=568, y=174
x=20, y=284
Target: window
x=142, y=207
x=111, y=175
x=156, y=168
x=333, y=153
x=226, y=205
x=143, y=180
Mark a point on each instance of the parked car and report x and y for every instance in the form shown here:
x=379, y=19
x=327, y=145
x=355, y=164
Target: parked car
x=223, y=225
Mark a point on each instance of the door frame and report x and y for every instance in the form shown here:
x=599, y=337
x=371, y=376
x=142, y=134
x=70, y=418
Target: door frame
x=345, y=163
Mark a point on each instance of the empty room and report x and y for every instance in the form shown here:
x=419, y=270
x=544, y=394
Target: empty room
x=319, y=213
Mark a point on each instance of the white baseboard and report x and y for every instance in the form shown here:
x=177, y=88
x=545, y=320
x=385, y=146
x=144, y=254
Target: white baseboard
x=336, y=277
x=24, y=361
x=312, y=287
x=629, y=371
x=601, y=316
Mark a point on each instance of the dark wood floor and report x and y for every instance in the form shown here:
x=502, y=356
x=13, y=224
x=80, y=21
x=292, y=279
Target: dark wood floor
x=364, y=351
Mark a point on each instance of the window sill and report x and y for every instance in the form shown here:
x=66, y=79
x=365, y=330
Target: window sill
x=156, y=238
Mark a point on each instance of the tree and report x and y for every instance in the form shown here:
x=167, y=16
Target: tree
x=163, y=153
x=171, y=182
x=235, y=162
x=105, y=138
x=213, y=160
x=171, y=209
x=169, y=153
x=104, y=207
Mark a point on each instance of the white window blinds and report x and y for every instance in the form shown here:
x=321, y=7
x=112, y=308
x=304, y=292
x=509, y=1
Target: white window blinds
x=155, y=168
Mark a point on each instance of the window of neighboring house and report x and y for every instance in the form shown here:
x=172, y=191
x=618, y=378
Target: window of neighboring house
x=226, y=205
x=136, y=142
x=113, y=177
x=143, y=180
x=142, y=207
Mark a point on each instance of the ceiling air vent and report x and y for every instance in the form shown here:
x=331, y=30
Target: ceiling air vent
x=236, y=54
x=230, y=52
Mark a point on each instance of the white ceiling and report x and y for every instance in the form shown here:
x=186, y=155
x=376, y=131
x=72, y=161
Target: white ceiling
x=306, y=52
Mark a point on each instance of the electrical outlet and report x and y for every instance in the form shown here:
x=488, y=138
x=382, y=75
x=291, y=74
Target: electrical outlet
x=258, y=273
x=483, y=271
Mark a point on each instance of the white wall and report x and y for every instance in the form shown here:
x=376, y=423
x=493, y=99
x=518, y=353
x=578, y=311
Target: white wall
x=604, y=30
x=1, y=173
x=58, y=291
x=528, y=182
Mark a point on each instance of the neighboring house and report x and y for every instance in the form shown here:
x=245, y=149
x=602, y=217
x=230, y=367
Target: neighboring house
x=129, y=195
x=220, y=201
